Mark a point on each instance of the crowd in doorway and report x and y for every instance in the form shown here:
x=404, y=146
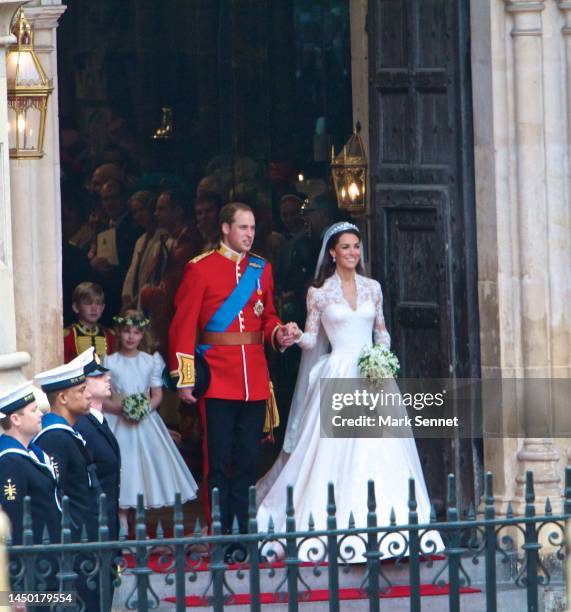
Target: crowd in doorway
x=131, y=233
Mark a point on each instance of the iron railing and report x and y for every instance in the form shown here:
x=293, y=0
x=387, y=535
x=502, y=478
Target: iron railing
x=144, y=565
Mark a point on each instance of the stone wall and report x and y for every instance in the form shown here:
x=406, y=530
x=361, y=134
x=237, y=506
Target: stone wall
x=520, y=68
x=36, y=219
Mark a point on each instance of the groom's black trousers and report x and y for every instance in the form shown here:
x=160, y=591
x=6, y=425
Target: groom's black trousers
x=233, y=433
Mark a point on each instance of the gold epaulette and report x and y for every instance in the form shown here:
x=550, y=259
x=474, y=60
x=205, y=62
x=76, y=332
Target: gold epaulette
x=66, y=331
x=258, y=256
x=201, y=256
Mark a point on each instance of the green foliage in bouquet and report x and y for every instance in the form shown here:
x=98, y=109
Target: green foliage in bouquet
x=377, y=362
x=135, y=407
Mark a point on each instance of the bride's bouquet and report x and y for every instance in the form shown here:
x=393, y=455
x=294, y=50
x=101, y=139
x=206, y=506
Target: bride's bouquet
x=377, y=362
x=135, y=407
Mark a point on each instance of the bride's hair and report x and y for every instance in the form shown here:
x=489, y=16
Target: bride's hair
x=327, y=268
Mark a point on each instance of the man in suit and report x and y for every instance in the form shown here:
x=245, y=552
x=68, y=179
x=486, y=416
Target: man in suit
x=100, y=440
x=225, y=306
x=74, y=467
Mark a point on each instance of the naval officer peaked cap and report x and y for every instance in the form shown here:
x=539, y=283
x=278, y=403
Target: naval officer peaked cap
x=68, y=375
x=91, y=363
x=15, y=398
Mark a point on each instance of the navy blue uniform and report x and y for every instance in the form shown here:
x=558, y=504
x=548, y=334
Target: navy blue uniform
x=74, y=469
x=77, y=479
x=28, y=472
x=104, y=449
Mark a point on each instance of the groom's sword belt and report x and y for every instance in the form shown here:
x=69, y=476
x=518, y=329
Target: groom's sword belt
x=231, y=338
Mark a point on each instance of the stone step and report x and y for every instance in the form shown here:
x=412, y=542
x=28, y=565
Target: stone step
x=508, y=599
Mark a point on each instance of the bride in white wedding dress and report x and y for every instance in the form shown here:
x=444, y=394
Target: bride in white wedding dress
x=344, y=311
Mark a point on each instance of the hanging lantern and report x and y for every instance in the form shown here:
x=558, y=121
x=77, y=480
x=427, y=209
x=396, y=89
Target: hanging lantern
x=28, y=91
x=349, y=171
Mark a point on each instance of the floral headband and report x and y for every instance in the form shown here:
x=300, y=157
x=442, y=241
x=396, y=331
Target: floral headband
x=131, y=321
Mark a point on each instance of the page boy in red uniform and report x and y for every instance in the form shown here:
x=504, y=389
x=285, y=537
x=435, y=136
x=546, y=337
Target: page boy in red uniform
x=88, y=303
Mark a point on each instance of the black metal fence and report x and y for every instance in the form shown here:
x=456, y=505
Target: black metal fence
x=144, y=565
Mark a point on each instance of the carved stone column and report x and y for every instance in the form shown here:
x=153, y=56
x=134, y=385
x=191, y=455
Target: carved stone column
x=36, y=220
x=539, y=455
x=10, y=359
x=565, y=343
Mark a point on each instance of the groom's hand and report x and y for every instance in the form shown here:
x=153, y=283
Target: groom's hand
x=186, y=395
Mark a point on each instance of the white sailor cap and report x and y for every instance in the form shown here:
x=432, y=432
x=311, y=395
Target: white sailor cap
x=62, y=377
x=91, y=363
x=15, y=398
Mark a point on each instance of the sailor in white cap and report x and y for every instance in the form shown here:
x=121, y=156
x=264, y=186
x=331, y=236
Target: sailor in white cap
x=69, y=399
x=25, y=470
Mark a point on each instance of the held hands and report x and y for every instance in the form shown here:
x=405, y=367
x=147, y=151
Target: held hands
x=288, y=334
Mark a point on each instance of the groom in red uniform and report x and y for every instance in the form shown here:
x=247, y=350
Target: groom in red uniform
x=225, y=310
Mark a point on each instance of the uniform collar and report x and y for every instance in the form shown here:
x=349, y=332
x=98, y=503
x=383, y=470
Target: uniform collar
x=8, y=442
x=52, y=421
x=230, y=254
x=51, y=418
x=86, y=331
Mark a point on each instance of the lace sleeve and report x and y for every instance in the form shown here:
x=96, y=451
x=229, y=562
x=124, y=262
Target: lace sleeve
x=381, y=334
x=313, y=320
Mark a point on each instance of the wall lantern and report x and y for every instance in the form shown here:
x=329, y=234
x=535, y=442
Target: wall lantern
x=349, y=171
x=28, y=91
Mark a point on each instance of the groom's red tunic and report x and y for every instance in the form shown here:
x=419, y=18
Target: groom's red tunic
x=237, y=372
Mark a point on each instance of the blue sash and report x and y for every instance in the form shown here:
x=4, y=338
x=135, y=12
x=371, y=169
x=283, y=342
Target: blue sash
x=235, y=302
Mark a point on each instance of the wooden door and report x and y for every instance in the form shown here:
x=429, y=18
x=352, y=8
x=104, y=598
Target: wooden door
x=422, y=184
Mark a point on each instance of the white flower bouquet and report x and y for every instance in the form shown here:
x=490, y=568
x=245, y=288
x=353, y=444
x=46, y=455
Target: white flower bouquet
x=135, y=406
x=377, y=362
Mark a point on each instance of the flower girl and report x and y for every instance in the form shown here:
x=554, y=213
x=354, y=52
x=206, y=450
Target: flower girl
x=151, y=463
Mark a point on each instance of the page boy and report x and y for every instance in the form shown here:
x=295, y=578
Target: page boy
x=88, y=303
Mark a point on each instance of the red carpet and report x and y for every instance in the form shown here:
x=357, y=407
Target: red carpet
x=160, y=564
x=426, y=590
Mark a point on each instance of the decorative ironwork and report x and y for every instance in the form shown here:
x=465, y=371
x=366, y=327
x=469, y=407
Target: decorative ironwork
x=211, y=567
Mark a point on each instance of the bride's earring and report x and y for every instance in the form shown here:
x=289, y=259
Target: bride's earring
x=334, y=259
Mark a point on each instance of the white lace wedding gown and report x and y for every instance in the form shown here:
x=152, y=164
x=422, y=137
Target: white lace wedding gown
x=309, y=462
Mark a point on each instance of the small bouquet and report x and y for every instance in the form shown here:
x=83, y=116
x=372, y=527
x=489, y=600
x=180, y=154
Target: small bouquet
x=377, y=362
x=136, y=406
